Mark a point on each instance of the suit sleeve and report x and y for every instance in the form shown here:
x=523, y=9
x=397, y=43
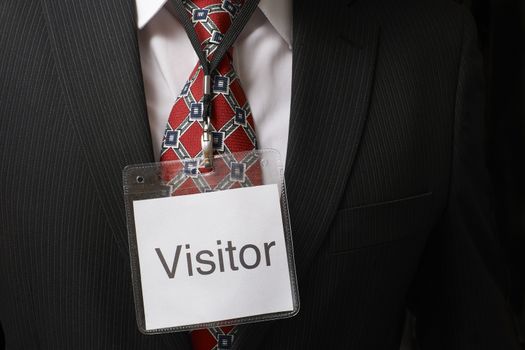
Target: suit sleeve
x=460, y=294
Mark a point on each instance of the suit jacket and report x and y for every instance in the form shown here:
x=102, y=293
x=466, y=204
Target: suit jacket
x=385, y=177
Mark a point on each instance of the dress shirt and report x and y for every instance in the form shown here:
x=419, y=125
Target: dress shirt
x=262, y=59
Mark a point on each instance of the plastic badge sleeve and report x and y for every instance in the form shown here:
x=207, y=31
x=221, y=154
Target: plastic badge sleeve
x=210, y=249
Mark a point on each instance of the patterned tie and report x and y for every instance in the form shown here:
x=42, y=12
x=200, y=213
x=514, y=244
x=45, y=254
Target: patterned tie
x=232, y=127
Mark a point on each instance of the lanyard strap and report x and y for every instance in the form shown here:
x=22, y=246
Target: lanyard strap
x=209, y=67
x=229, y=38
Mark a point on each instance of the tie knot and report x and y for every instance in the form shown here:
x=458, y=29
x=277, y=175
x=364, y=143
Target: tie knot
x=212, y=19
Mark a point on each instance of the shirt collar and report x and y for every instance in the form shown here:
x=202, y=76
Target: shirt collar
x=278, y=13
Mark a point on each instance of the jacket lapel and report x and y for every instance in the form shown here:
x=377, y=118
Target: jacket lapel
x=97, y=54
x=98, y=61
x=332, y=79
x=333, y=70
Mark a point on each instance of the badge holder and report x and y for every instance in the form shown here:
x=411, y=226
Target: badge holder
x=210, y=248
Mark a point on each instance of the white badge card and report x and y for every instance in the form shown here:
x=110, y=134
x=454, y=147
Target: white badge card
x=213, y=248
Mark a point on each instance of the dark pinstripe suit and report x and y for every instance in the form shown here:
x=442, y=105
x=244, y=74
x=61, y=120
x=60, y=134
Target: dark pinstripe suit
x=385, y=179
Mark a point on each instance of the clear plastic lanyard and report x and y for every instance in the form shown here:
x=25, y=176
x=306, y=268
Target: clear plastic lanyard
x=210, y=248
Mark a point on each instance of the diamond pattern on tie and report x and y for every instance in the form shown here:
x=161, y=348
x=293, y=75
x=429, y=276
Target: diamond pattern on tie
x=232, y=127
x=231, y=119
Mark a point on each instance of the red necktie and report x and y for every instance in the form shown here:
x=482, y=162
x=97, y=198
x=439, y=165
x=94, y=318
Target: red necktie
x=232, y=127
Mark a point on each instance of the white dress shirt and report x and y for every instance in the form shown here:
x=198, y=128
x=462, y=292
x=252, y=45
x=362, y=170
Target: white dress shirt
x=262, y=59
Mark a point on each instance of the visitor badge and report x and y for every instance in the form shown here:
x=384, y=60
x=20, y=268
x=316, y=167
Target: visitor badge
x=210, y=258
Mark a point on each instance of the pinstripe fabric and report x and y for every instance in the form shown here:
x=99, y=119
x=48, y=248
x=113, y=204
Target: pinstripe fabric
x=108, y=104
x=384, y=175
x=73, y=290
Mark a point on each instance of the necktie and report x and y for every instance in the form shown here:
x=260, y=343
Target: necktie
x=232, y=129
x=232, y=126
